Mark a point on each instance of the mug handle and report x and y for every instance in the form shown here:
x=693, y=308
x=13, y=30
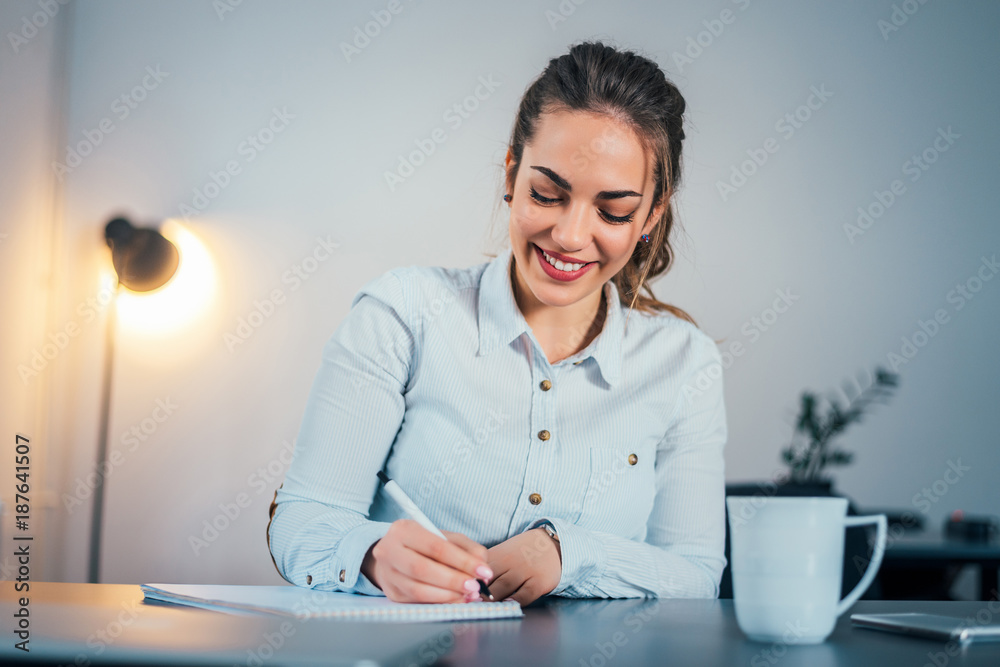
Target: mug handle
x=873, y=564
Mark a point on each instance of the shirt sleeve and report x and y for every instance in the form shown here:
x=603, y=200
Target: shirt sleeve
x=684, y=552
x=320, y=531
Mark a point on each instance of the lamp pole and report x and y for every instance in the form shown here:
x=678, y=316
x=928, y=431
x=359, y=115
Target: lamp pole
x=102, y=439
x=143, y=260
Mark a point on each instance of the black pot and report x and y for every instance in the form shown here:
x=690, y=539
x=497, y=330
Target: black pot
x=819, y=487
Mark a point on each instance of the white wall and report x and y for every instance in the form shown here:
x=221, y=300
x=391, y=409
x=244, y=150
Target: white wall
x=32, y=97
x=323, y=176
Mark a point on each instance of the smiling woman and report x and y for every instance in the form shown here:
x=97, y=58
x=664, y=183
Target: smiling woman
x=510, y=400
x=593, y=222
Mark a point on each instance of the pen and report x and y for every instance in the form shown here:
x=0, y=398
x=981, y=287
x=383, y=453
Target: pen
x=414, y=513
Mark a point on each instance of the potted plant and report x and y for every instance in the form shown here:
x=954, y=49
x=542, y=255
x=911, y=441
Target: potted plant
x=821, y=420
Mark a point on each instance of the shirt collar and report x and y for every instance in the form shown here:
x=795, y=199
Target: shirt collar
x=501, y=321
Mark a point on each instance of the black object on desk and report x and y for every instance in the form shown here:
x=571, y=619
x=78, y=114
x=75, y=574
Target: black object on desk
x=923, y=565
x=961, y=526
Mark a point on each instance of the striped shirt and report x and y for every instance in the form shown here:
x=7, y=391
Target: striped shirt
x=436, y=378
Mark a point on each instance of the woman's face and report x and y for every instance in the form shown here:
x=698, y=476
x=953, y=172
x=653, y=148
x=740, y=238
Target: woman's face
x=583, y=195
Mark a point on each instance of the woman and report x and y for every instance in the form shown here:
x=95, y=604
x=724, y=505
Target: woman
x=564, y=452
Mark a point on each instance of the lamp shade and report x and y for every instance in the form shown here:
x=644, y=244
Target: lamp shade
x=143, y=259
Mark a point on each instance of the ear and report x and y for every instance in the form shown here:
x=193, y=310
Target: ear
x=654, y=217
x=508, y=161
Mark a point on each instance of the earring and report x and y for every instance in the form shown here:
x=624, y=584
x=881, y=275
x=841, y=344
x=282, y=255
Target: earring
x=645, y=238
x=507, y=198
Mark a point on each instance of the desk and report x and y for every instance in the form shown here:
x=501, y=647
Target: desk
x=554, y=631
x=931, y=550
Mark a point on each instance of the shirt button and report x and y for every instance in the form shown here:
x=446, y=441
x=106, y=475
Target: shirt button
x=545, y=385
x=309, y=578
x=534, y=499
x=632, y=459
x=544, y=435
x=343, y=575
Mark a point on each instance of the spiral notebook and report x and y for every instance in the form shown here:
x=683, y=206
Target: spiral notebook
x=303, y=603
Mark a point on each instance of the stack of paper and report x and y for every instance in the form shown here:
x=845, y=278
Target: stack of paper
x=309, y=603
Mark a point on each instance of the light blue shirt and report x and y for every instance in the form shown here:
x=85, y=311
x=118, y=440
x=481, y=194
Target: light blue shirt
x=436, y=377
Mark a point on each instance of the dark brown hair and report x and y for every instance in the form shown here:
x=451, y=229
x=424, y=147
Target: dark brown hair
x=632, y=90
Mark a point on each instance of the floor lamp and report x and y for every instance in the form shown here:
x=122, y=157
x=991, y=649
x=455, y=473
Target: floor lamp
x=144, y=260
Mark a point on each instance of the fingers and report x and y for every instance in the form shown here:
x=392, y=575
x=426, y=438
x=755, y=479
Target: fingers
x=502, y=587
x=415, y=565
x=406, y=589
x=477, y=550
x=447, y=552
x=508, y=587
x=525, y=595
x=419, y=567
x=517, y=577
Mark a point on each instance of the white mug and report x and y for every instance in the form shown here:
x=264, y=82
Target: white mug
x=787, y=559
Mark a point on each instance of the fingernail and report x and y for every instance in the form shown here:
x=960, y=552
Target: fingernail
x=471, y=597
x=484, y=572
x=472, y=585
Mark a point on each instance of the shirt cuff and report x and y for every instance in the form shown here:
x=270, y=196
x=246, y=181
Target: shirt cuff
x=584, y=557
x=345, y=567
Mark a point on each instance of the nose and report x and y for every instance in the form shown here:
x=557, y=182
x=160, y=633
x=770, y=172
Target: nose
x=572, y=230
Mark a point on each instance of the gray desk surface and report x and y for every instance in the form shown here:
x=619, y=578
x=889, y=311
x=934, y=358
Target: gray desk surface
x=554, y=631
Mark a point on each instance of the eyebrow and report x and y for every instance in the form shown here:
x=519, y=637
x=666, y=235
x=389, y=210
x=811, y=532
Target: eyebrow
x=564, y=184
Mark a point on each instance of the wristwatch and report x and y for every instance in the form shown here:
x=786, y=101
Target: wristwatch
x=551, y=530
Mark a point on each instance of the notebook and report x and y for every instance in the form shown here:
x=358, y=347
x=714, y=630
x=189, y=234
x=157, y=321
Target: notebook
x=301, y=602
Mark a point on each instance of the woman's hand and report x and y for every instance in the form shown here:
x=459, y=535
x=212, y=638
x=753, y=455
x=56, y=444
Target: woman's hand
x=527, y=566
x=412, y=564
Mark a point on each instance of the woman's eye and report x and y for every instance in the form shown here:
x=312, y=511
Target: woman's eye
x=617, y=220
x=540, y=198
x=613, y=219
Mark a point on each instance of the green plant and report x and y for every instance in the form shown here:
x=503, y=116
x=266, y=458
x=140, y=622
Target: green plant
x=816, y=427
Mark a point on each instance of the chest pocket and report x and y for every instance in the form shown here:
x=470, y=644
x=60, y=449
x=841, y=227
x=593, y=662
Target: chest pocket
x=621, y=490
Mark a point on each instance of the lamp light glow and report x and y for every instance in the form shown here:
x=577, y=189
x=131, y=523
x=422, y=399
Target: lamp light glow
x=182, y=300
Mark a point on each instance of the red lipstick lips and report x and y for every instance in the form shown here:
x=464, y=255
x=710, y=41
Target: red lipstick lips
x=558, y=274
